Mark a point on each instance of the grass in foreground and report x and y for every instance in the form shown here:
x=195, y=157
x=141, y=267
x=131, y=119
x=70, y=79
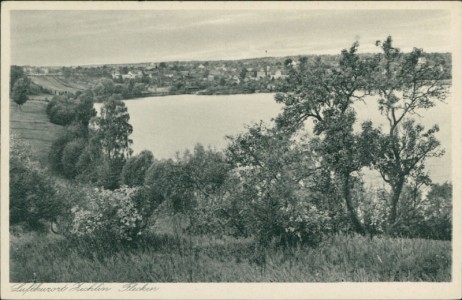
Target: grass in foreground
x=167, y=259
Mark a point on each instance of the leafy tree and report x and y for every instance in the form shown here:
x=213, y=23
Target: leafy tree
x=56, y=151
x=33, y=197
x=70, y=156
x=273, y=172
x=134, y=170
x=206, y=169
x=85, y=110
x=168, y=182
x=66, y=166
x=63, y=110
x=16, y=73
x=405, y=83
x=288, y=62
x=438, y=212
x=243, y=73
x=138, y=89
x=90, y=160
x=103, y=87
x=112, y=130
x=67, y=72
x=325, y=95
x=21, y=91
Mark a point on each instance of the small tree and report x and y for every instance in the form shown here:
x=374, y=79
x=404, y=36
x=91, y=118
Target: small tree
x=438, y=212
x=405, y=83
x=32, y=197
x=21, y=91
x=325, y=94
x=85, y=110
x=134, y=170
x=70, y=156
x=15, y=74
x=206, y=169
x=112, y=130
x=273, y=171
x=168, y=182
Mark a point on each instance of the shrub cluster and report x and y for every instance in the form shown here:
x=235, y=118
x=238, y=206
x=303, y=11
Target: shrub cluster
x=61, y=110
x=119, y=215
x=33, y=194
x=304, y=224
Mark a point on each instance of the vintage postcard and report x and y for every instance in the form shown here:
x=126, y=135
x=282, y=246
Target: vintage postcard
x=231, y=150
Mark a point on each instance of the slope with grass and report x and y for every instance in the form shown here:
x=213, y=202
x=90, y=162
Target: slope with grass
x=166, y=258
x=30, y=123
x=56, y=84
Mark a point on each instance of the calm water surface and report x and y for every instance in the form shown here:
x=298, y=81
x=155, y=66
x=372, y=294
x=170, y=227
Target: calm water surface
x=169, y=124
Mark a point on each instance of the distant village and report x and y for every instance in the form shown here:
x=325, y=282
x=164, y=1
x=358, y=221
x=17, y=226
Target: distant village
x=259, y=75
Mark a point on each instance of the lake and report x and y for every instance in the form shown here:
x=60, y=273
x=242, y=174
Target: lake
x=169, y=124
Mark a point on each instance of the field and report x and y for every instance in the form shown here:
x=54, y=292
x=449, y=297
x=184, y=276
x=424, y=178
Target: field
x=170, y=258
x=55, y=83
x=30, y=123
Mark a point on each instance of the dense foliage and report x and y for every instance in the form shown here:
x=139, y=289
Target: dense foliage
x=21, y=91
x=277, y=184
x=119, y=215
x=34, y=199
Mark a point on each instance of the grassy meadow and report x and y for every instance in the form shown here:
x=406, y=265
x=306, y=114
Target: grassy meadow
x=182, y=258
x=56, y=83
x=30, y=123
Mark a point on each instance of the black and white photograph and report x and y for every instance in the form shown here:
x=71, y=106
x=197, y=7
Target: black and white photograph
x=150, y=145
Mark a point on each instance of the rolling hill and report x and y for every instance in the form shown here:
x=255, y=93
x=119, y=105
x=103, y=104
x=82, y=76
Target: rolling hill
x=56, y=84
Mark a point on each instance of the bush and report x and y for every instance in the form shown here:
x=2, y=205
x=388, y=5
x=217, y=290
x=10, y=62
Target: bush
x=135, y=168
x=66, y=149
x=89, y=163
x=304, y=224
x=61, y=110
x=33, y=199
x=110, y=215
x=438, y=212
x=168, y=182
x=70, y=156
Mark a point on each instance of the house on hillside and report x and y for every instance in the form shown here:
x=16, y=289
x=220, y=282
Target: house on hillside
x=133, y=75
x=276, y=74
x=115, y=74
x=129, y=75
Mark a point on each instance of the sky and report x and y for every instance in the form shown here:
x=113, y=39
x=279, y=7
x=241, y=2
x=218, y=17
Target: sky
x=70, y=38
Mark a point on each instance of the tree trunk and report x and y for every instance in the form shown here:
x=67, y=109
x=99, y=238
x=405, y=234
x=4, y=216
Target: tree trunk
x=349, y=204
x=396, y=193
